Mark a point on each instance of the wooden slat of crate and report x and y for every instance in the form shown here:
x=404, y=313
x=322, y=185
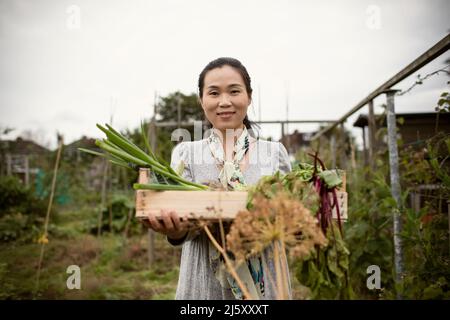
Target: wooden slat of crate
x=191, y=204
x=342, y=198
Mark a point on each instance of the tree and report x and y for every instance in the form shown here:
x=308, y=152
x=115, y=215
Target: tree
x=167, y=110
x=167, y=107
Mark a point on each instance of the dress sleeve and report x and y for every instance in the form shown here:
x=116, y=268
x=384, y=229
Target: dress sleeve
x=283, y=163
x=181, y=154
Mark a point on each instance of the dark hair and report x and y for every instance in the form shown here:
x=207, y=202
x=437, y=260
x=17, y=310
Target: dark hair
x=236, y=64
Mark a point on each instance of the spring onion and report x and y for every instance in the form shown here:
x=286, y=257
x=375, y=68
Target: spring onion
x=122, y=152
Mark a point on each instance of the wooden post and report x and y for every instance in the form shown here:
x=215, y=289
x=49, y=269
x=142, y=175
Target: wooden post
x=372, y=140
x=395, y=186
x=417, y=201
x=103, y=200
x=110, y=217
x=8, y=164
x=43, y=240
x=353, y=157
x=178, y=111
x=412, y=200
x=144, y=177
x=151, y=233
x=333, y=150
x=27, y=171
x=364, y=146
x=288, y=143
x=448, y=213
x=342, y=147
x=109, y=190
x=127, y=225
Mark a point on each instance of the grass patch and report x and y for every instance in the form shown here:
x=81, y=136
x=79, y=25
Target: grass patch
x=112, y=267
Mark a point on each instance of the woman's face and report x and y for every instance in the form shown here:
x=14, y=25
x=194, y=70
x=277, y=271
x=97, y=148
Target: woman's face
x=225, y=99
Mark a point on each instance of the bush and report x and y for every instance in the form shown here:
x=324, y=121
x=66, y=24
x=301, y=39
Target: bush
x=115, y=217
x=15, y=197
x=369, y=233
x=20, y=210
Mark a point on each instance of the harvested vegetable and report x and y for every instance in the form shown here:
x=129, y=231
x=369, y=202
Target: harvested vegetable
x=326, y=271
x=121, y=151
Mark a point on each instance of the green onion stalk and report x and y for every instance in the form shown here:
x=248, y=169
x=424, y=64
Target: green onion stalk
x=122, y=152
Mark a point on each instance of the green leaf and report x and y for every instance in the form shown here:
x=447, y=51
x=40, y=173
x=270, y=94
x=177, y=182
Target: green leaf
x=95, y=153
x=145, y=138
x=331, y=178
x=432, y=292
x=163, y=187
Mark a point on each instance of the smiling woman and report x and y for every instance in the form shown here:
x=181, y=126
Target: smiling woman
x=229, y=84
x=226, y=98
x=234, y=157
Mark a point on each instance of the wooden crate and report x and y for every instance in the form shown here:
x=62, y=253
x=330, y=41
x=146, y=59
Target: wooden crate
x=210, y=205
x=191, y=204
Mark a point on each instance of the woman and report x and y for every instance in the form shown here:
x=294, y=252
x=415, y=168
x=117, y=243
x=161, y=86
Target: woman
x=231, y=155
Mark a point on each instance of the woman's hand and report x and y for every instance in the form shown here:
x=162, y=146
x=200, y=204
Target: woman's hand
x=171, y=225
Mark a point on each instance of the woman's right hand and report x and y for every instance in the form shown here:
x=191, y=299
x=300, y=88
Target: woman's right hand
x=171, y=224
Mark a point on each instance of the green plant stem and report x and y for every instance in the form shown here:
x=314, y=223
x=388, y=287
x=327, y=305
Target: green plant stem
x=162, y=187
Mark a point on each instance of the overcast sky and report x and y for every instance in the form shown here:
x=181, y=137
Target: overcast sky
x=66, y=65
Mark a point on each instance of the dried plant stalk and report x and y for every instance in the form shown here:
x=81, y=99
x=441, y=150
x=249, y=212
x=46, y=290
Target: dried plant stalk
x=282, y=222
x=278, y=272
x=229, y=264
